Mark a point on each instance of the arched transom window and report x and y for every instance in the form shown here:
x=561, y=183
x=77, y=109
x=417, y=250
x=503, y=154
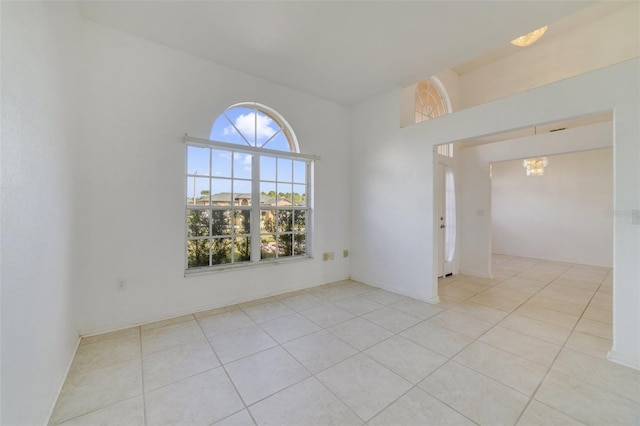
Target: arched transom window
x=247, y=191
x=429, y=101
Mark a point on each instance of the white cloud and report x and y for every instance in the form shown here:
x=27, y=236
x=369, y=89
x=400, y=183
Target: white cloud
x=248, y=126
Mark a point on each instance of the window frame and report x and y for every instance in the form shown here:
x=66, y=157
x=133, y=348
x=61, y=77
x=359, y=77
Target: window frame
x=255, y=232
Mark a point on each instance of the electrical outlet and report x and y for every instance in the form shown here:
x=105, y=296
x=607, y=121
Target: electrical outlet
x=326, y=256
x=121, y=284
x=345, y=253
x=332, y=255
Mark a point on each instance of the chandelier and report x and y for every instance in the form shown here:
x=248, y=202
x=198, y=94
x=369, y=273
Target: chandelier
x=529, y=39
x=535, y=166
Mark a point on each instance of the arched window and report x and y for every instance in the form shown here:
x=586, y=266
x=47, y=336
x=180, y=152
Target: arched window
x=429, y=101
x=248, y=191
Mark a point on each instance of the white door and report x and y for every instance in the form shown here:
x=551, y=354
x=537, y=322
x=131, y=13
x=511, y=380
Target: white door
x=445, y=218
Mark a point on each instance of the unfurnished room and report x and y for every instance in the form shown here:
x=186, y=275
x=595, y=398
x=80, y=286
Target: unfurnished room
x=320, y=213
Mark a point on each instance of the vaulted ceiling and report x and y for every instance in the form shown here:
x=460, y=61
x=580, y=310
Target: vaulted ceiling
x=342, y=51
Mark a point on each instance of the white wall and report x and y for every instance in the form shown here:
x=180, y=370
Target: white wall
x=392, y=206
x=564, y=215
x=475, y=209
x=141, y=99
x=40, y=126
x=608, y=40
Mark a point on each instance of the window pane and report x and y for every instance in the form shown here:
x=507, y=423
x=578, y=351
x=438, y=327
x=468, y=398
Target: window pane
x=197, y=253
x=267, y=246
x=221, y=192
x=284, y=194
x=242, y=193
x=300, y=171
x=197, y=161
x=197, y=223
x=285, y=170
x=285, y=220
x=242, y=222
x=198, y=191
x=299, y=220
x=264, y=128
x=300, y=195
x=267, y=168
x=221, y=162
x=279, y=143
x=299, y=244
x=242, y=165
x=268, y=221
x=220, y=222
x=267, y=194
x=284, y=245
x=242, y=249
x=220, y=251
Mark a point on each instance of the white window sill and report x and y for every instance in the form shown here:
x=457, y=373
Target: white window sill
x=247, y=265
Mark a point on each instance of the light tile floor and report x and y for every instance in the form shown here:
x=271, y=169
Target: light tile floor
x=527, y=347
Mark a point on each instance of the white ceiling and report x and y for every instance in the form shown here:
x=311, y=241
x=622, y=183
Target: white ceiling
x=342, y=51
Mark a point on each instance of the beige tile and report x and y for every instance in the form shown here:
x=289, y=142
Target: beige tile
x=302, y=302
x=240, y=343
x=319, y=350
x=590, y=345
x=212, y=325
x=360, y=333
x=520, y=344
x=327, y=315
x=330, y=294
x=255, y=302
x=267, y=311
x=585, y=273
x=391, y=319
x=87, y=391
x=364, y=385
x=198, y=400
x=125, y=413
x=470, y=285
x=358, y=305
x=165, y=337
x=417, y=407
x=586, y=403
x=565, y=295
x=615, y=378
x=538, y=414
x=543, y=276
x=509, y=369
x=478, y=397
x=461, y=323
x=383, y=297
x=241, y=418
x=604, y=305
x=599, y=315
x=494, y=301
x=170, y=321
x=104, y=352
x=557, y=305
x=106, y=336
x=215, y=311
x=481, y=312
x=503, y=293
x=541, y=330
x=456, y=292
x=439, y=339
x=416, y=308
x=356, y=288
x=305, y=403
x=176, y=363
x=406, y=358
x=595, y=328
x=521, y=285
x=265, y=373
x=547, y=315
x=289, y=328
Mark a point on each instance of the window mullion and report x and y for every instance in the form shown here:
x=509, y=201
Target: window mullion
x=255, y=208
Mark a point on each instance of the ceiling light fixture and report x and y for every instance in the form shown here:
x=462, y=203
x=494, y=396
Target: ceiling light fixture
x=529, y=39
x=535, y=166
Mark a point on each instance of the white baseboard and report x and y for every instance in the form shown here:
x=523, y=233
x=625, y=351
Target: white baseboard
x=64, y=379
x=634, y=363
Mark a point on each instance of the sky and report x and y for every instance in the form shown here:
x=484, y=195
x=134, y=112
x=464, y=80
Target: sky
x=246, y=127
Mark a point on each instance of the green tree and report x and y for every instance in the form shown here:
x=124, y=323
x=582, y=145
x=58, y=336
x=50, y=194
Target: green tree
x=198, y=250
